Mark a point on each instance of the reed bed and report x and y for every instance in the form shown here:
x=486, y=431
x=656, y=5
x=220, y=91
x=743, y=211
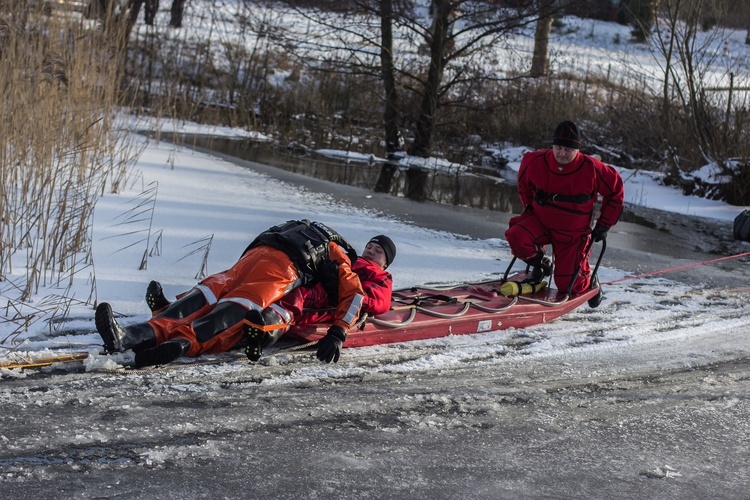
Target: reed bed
x=59, y=150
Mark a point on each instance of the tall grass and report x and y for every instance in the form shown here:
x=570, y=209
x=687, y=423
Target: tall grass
x=59, y=89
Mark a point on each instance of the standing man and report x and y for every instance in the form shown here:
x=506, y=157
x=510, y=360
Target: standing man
x=559, y=188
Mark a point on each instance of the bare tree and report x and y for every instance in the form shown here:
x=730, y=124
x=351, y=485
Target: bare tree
x=443, y=16
x=393, y=139
x=685, y=87
x=459, y=41
x=176, y=13
x=150, y=9
x=540, y=59
x=452, y=47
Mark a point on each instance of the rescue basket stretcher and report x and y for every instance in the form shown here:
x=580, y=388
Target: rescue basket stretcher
x=425, y=312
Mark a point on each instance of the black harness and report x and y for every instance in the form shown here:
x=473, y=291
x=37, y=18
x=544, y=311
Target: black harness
x=306, y=244
x=542, y=197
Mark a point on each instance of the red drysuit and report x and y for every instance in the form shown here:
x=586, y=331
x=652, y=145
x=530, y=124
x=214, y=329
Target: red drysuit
x=311, y=305
x=560, y=201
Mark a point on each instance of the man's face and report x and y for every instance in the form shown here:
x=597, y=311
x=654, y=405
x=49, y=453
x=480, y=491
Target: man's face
x=564, y=155
x=375, y=253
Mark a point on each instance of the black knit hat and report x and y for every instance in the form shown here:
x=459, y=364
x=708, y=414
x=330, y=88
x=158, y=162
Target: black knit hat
x=387, y=245
x=566, y=134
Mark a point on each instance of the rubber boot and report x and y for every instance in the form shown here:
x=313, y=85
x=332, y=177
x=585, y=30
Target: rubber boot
x=155, y=297
x=224, y=316
x=119, y=339
x=541, y=267
x=258, y=339
x=596, y=299
x=164, y=353
x=254, y=346
x=274, y=317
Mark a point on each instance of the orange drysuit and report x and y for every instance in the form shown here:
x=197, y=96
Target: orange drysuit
x=261, y=277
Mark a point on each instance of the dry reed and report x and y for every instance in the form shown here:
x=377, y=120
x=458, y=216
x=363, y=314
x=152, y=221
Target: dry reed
x=59, y=88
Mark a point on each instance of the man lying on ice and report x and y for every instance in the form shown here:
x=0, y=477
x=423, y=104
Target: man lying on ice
x=285, y=269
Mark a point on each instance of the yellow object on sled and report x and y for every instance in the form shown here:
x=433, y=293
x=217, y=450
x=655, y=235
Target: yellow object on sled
x=510, y=288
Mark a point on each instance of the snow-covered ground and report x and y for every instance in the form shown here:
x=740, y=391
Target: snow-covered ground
x=646, y=396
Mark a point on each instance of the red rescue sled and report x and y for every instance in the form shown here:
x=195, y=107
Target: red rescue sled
x=429, y=312
x=426, y=312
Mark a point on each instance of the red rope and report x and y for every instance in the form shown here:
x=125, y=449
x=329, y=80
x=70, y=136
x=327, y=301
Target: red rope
x=654, y=273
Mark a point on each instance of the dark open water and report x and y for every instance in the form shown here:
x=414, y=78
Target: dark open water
x=478, y=187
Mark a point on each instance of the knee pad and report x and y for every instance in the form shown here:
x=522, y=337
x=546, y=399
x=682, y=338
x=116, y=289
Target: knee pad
x=273, y=317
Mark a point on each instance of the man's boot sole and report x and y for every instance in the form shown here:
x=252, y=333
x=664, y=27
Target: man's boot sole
x=104, y=321
x=155, y=298
x=254, y=347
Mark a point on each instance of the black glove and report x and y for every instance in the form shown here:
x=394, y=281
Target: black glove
x=599, y=233
x=329, y=347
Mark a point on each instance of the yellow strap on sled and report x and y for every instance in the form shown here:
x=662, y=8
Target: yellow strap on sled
x=511, y=288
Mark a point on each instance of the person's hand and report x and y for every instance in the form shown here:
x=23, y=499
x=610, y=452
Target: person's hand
x=329, y=347
x=599, y=233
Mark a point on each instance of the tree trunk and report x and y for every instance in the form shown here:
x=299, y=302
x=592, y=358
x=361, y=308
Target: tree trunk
x=747, y=38
x=416, y=183
x=422, y=144
x=393, y=140
x=540, y=59
x=384, y=184
x=151, y=7
x=178, y=8
x=394, y=143
x=131, y=10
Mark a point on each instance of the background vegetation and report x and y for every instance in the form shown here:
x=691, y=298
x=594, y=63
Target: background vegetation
x=334, y=80
x=59, y=149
